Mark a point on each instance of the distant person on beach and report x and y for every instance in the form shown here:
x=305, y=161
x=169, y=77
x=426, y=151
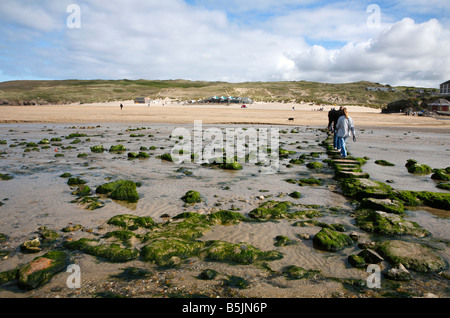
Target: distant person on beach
x=121, y=106
x=345, y=127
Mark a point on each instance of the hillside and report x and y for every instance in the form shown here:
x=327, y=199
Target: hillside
x=89, y=91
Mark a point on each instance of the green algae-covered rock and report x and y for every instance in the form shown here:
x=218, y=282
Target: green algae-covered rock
x=388, y=223
x=297, y=272
x=166, y=157
x=98, y=149
x=192, y=197
x=414, y=256
x=117, y=148
x=295, y=195
x=75, y=181
x=414, y=167
x=440, y=174
x=232, y=166
x=41, y=269
x=435, y=199
x=356, y=261
x=282, y=240
x=331, y=241
x=241, y=253
x=387, y=205
x=168, y=252
x=132, y=222
x=364, y=188
x=443, y=185
x=384, y=163
x=48, y=235
x=122, y=190
x=271, y=210
x=5, y=177
x=314, y=165
x=8, y=276
x=82, y=191
x=208, y=274
x=110, y=252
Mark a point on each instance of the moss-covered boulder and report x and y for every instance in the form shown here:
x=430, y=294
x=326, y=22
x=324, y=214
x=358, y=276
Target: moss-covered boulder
x=8, y=276
x=314, y=165
x=434, y=199
x=388, y=223
x=111, y=252
x=241, y=253
x=232, y=166
x=132, y=222
x=297, y=272
x=192, y=197
x=365, y=188
x=75, y=182
x=41, y=269
x=356, y=261
x=98, y=149
x=47, y=235
x=208, y=274
x=169, y=252
x=414, y=167
x=387, y=205
x=271, y=210
x=443, y=186
x=166, y=157
x=440, y=174
x=140, y=155
x=82, y=191
x=295, y=195
x=331, y=241
x=414, y=256
x=117, y=148
x=282, y=240
x=122, y=190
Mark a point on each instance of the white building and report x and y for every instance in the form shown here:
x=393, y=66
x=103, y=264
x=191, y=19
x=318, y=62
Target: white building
x=444, y=88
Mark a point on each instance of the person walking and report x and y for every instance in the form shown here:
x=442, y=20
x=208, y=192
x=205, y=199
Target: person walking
x=121, y=106
x=333, y=117
x=345, y=128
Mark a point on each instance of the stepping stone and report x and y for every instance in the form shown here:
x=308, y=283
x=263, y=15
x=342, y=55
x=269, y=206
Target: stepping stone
x=346, y=161
x=351, y=174
x=347, y=167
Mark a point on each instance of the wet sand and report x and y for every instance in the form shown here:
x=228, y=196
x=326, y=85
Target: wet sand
x=37, y=196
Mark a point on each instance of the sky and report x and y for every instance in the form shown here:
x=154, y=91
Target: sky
x=400, y=42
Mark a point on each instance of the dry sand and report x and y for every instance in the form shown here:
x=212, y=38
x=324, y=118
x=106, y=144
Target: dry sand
x=169, y=112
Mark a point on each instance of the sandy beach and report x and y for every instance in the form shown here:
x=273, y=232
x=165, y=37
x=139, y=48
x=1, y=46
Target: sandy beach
x=172, y=113
x=37, y=196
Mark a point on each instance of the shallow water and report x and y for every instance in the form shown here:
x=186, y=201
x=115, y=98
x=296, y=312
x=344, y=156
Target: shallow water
x=37, y=196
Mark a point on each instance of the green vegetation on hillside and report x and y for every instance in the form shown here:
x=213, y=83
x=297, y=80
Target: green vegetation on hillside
x=89, y=91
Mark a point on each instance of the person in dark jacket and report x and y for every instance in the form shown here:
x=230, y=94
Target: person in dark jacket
x=333, y=117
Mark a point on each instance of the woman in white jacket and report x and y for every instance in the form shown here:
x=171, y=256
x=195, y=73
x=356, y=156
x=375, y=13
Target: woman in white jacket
x=344, y=127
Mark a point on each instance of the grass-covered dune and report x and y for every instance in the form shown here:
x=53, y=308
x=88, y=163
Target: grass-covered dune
x=90, y=91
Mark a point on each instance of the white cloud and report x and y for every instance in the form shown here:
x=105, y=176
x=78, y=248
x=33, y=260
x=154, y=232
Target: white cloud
x=171, y=39
x=406, y=53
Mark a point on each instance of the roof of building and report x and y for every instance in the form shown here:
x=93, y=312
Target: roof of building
x=440, y=101
x=448, y=82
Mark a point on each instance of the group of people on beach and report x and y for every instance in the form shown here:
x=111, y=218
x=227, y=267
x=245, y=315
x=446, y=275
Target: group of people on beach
x=342, y=126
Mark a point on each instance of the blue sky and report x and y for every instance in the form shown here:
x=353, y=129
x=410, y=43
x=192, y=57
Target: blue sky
x=233, y=40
